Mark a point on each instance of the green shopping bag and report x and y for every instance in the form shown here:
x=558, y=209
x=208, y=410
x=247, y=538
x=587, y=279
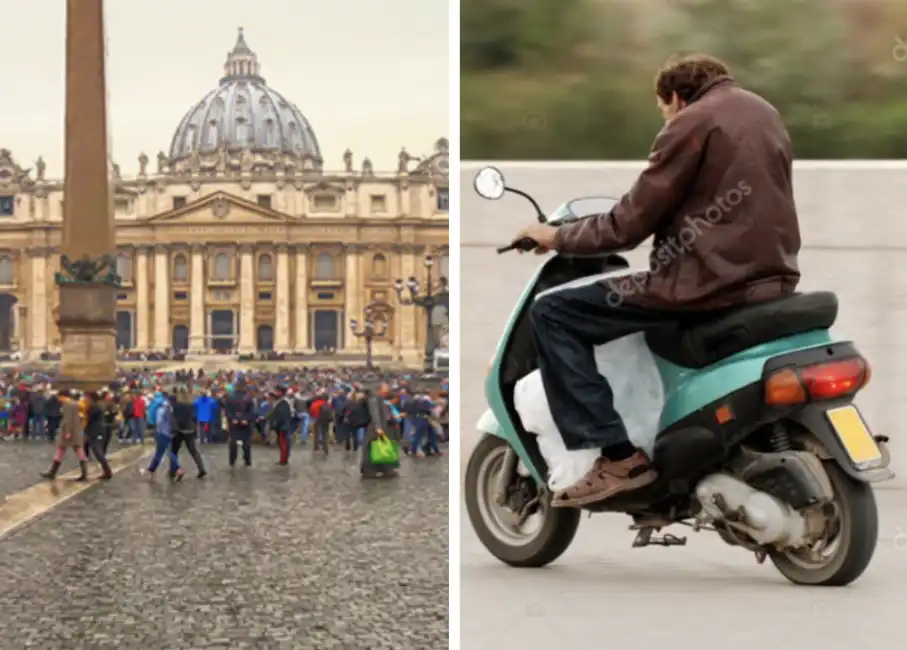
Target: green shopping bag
x=383, y=451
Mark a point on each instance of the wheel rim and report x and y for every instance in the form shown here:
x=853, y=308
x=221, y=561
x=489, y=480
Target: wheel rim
x=500, y=521
x=825, y=551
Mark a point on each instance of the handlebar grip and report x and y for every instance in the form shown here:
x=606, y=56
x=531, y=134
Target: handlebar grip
x=524, y=244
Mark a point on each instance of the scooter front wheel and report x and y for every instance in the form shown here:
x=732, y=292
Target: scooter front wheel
x=499, y=528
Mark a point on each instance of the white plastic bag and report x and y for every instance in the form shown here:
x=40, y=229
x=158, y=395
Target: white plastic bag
x=635, y=381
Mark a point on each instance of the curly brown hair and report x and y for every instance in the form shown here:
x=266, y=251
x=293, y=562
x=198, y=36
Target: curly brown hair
x=687, y=75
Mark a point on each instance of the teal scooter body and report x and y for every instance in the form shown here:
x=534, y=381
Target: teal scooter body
x=686, y=390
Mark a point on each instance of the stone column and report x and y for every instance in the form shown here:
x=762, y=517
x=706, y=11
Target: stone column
x=246, y=301
x=142, y=304
x=302, y=299
x=16, y=334
x=353, y=304
x=88, y=306
x=407, y=315
x=38, y=299
x=197, y=306
x=282, y=324
x=162, y=338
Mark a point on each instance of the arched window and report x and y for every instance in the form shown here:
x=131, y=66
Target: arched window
x=180, y=268
x=7, y=270
x=445, y=264
x=265, y=268
x=324, y=267
x=379, y=266
x=221, y=267
x=124, y=267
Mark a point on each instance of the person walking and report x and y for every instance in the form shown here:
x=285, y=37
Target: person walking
x=137, y=424
x=321, y=414
x=241, y=416
x=94, y=432
x=281, y=420
x=186, y=428
x=69, y=436
x=163, y=440
x=380, y=428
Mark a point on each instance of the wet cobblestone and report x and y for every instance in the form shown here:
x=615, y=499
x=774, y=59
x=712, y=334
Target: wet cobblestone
x=22, y=462
x=305, y=557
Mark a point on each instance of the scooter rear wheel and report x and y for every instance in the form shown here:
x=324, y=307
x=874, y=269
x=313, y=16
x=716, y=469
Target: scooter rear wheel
x=557, y=526
x=849, y=553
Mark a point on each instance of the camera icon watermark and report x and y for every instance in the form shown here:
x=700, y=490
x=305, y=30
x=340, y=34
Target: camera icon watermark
x=899, y=541
x=899, y=52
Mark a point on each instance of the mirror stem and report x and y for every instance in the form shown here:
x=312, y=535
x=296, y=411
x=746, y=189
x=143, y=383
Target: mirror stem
x=538, y=210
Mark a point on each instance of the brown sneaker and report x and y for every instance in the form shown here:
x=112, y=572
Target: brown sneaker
x=606, y=479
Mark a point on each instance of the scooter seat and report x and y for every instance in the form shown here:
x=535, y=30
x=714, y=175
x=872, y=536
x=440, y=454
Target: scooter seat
x=700, y=342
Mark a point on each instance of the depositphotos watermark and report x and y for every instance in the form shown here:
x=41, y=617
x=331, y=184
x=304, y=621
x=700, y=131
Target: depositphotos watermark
x=671, y=248
x=899, y=52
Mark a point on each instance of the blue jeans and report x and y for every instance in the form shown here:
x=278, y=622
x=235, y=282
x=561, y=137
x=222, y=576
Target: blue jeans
x=163, y=445
x=425, y=429
x=37, y=426
x=137, y=428
x=304, y=422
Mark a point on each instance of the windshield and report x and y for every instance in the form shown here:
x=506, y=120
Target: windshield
x=582, y=207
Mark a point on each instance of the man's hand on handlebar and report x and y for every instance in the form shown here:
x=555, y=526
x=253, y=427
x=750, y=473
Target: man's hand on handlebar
x=542, y=235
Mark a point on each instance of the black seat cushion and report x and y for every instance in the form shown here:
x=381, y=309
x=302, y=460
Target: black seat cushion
x=700, y=342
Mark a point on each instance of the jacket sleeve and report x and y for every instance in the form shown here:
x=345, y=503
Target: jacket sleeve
x=673, y=165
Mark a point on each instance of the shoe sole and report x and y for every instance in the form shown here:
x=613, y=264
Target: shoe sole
x=635, y=483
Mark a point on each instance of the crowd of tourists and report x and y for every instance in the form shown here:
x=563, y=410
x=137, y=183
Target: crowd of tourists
x=358, y=409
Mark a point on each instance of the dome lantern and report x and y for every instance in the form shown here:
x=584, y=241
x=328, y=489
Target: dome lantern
x=242, y=62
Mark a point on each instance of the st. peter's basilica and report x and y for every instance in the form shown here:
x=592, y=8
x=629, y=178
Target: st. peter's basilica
x=240, y=237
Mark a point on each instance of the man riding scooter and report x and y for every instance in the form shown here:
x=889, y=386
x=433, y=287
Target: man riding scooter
x=718, y=198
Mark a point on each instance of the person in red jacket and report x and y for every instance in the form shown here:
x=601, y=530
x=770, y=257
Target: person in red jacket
x=137, y=420
x=320, y=412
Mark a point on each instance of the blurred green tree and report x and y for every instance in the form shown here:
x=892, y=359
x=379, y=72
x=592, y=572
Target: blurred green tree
x=572, y=79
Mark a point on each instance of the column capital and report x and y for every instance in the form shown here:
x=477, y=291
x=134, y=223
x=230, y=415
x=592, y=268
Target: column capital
x=302, y=249
x=246, y=249
x=352, y=248
x=282, y=248
x=160, y=249
x=142, y=249
x=197, y=249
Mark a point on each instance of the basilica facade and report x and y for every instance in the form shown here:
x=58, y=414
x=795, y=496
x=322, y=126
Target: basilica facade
x=242, y=237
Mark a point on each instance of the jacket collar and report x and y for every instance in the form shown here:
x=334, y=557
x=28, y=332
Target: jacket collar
x=724, y=81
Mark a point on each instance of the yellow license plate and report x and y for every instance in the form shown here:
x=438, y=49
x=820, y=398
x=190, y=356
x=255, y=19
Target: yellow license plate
x=854, y=434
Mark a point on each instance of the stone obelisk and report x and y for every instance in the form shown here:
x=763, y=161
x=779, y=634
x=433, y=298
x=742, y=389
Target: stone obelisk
x=87, y=278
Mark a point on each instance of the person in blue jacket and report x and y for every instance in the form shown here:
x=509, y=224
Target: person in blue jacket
x=153, y=406
x=204, y=415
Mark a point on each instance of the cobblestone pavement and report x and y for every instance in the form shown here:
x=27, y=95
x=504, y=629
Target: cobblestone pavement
x=603, y=593
x=305, y=557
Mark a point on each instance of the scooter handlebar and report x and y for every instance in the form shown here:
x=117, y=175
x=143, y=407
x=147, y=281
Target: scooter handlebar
x=524, y=244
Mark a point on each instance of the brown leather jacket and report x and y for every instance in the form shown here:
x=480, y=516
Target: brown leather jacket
x=718, y=198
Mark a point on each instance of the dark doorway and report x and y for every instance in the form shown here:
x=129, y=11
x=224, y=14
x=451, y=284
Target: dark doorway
x=265, y=338
x=222, y=331
x=180, y=340
x=7, y=320
x=327, y=329
x=124, y=330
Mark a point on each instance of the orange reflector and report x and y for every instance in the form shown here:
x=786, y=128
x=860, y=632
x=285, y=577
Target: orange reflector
x=784, y=388
x=724, y=414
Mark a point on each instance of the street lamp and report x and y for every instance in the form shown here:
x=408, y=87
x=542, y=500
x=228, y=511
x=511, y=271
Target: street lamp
x=427, y=301
x=369, y=330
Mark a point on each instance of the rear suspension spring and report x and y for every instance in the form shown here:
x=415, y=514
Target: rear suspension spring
x=780, y=440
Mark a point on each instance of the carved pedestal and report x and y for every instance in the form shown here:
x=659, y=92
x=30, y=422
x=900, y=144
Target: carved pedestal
x=87, y=323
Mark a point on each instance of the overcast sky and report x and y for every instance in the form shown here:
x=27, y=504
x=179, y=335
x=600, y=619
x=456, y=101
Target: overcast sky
x=370, y=75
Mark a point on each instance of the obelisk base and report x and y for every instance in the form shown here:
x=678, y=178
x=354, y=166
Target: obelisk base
x=87, y=325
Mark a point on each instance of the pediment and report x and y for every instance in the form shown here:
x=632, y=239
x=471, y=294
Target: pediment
x=325, y=188
x=218, y=208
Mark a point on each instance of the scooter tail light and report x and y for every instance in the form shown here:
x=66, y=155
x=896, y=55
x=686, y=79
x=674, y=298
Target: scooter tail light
x=835, y=379
x=784, y=388
x=821, y=381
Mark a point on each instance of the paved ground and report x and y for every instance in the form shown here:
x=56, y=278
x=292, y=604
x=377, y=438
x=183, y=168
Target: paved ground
x=602, y=593
x=301, y=558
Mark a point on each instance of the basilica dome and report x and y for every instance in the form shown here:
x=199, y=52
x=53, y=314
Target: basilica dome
x=243, y=113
